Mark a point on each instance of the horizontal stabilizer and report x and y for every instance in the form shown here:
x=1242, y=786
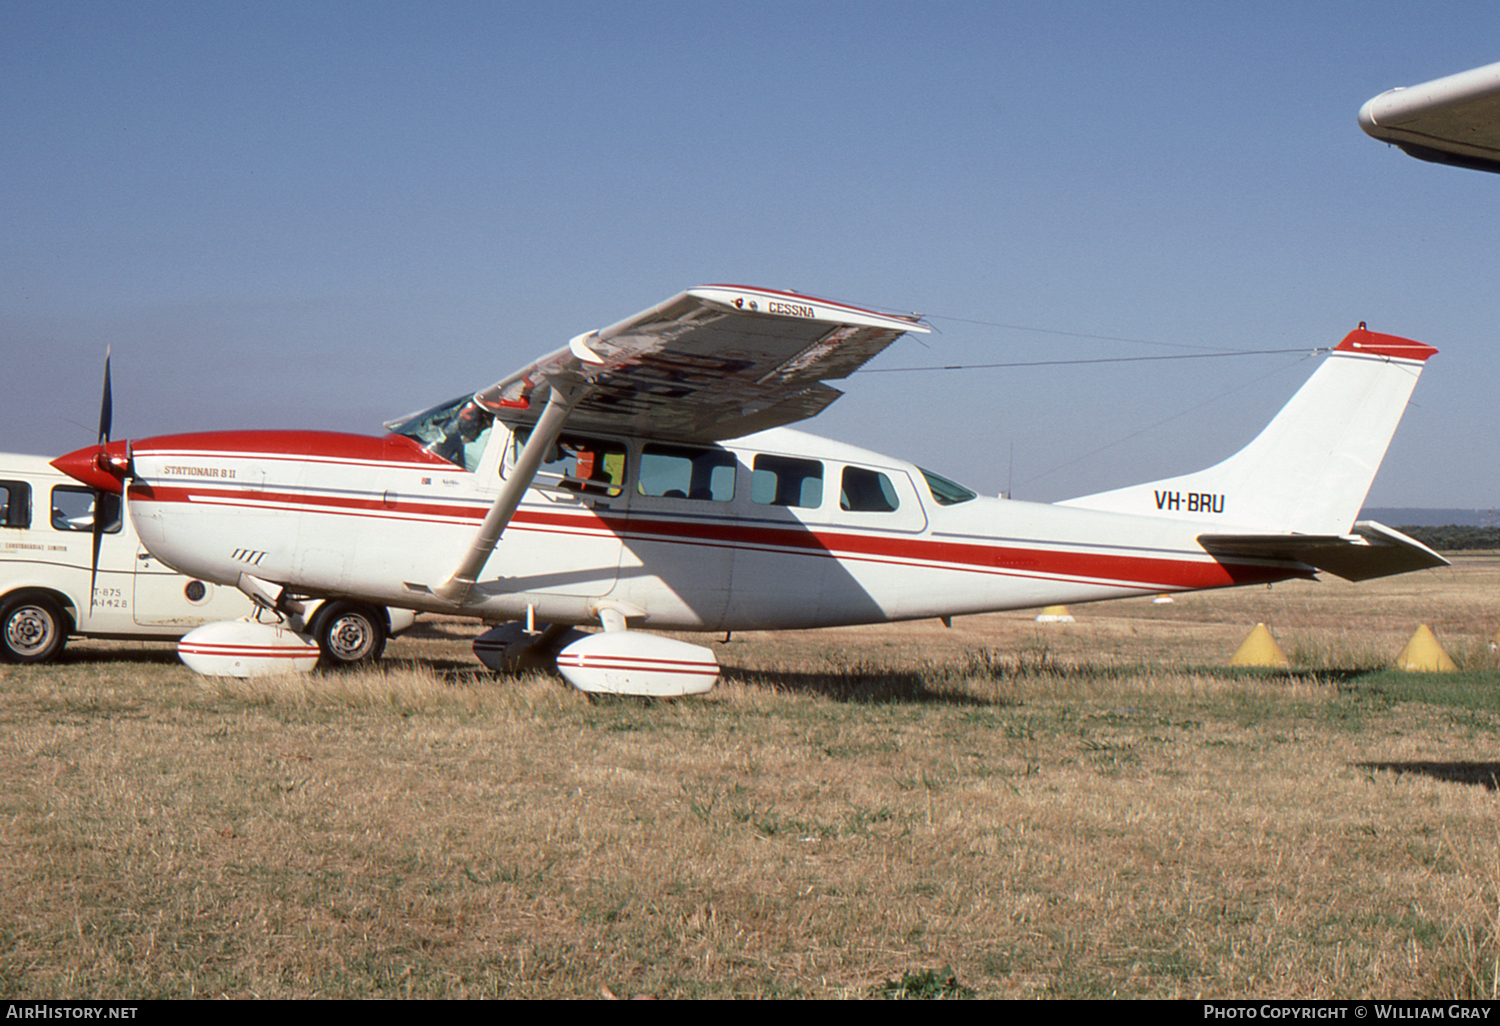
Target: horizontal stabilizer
x=1373, y=550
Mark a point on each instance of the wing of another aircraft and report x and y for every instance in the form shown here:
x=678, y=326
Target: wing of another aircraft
x=712, y=363
x=1453, y=120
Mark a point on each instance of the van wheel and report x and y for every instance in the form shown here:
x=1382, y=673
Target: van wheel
x=33, y=629
x=349, y=633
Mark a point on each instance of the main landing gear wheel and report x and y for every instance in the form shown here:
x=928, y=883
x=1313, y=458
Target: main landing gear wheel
x=33, y=629
x=350, y=633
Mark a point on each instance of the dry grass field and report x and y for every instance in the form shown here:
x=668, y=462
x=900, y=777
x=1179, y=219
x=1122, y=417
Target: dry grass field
x=999, y=809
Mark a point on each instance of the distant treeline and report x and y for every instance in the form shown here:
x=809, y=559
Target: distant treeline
x=1455, y=537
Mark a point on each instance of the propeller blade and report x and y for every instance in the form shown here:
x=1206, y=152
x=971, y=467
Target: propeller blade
x=106, y=417
x=106, y=407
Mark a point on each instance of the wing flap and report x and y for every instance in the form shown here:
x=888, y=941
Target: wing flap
x=712, y=363
x=1372, y=550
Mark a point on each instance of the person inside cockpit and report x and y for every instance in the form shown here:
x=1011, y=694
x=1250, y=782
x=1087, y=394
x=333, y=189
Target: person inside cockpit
x=465, y=435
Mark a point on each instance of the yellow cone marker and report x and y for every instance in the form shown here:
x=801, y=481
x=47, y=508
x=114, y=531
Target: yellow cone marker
x=1055, y=614
x=1260, y=649
x=1424, y=655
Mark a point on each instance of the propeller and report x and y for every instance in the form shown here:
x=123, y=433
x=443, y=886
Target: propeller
x=106, y=405
x=106, y=417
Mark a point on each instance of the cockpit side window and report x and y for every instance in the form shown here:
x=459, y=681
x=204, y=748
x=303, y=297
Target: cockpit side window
x=786, y=481
x=946, y=492
x=686, y=472
x=457, y=431
x=867, y=491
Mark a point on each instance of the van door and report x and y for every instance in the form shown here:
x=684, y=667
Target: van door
x=65, y=514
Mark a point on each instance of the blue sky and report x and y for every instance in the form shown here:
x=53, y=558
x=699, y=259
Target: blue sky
x=323, y=215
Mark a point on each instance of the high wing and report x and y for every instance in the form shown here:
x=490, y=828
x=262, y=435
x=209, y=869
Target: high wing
x=709, y=364
x=1453, y=120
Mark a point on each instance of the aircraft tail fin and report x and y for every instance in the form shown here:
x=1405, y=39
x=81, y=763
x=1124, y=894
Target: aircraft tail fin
x=1309, y=471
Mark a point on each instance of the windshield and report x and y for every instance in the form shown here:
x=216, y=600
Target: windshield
x=947, y=493
x=457, y=430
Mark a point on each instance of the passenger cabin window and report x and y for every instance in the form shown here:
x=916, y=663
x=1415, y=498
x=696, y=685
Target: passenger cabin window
x=590, y=466
x=685, y=472
x=867, y=491
x=15, y=504
x=73, y=509
x=784, y=481
x=457, y=431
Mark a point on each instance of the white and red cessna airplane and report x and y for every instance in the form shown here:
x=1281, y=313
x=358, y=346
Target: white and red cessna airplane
x=642, y=477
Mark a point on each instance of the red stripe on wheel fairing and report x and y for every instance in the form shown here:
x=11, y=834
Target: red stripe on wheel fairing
x=605, y=662
x=250, y=651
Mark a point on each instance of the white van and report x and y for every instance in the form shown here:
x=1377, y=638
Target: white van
x=46, y=553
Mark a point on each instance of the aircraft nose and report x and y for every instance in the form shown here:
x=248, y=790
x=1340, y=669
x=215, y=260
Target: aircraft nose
x=104, y=467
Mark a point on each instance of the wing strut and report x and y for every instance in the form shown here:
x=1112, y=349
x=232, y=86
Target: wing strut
x=565, y=395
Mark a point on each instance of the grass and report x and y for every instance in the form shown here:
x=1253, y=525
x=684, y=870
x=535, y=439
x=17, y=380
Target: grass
x=997, y=810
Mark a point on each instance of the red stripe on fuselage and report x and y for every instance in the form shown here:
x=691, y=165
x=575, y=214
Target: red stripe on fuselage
x=303, y=446
x=297, y=502
x=973, y=556
x=1142, y=571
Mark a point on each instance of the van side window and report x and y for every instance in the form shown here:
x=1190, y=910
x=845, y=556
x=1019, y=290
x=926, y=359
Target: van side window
x=686, y=472
x=867, y=491
x=784, y=481
x=15, y=504
x=73, y=509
